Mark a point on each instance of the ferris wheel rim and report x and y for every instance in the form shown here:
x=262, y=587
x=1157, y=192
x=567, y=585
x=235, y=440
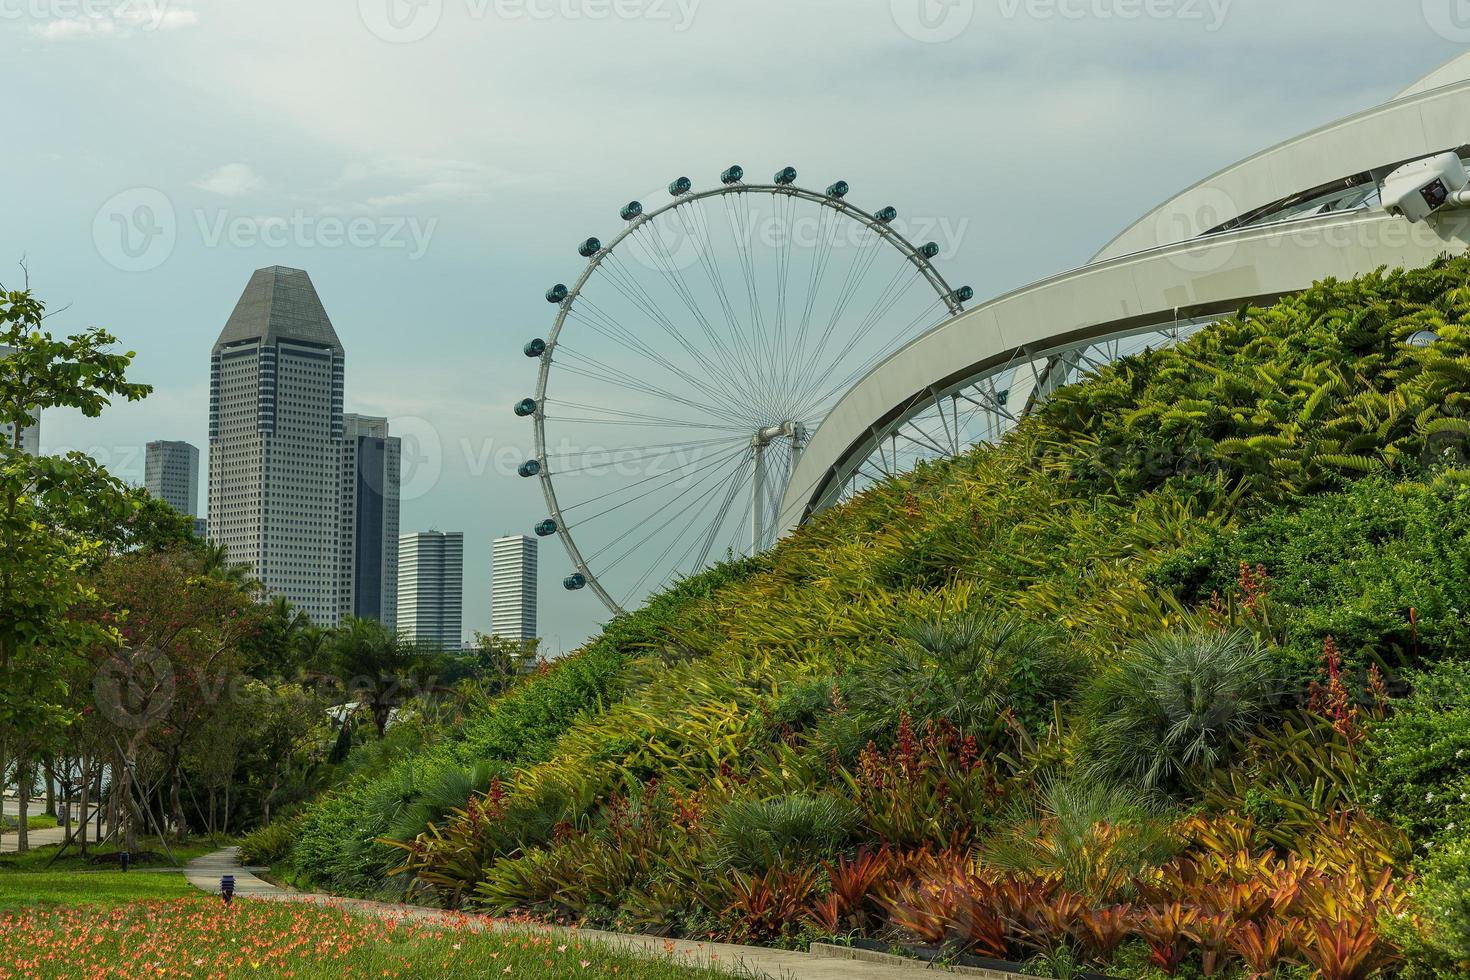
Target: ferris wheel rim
x=884, y=229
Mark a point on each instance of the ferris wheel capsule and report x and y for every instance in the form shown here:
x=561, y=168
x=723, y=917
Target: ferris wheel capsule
x=631, y=210
x=546, y=528
x=887, y=214
x=589, y=248
x=556, y=294
x=785, y=176
x=574, y=581
x=679, y=186
x=964, y=294
x=732, y=175
x=838, y=190
x=534, y=348
x=526, y=406
x=529, y=468
x=929, y=249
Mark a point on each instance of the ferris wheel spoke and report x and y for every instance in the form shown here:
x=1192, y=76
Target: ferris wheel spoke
x=625, y=282
x=666, y=265
x=731, y=485
x=704, y=248
x=730, y=467
x=742, y=233
x=618, y=334
x=603, y=374
x=818, y=271
x=640, y=453
x=820, y=402
x=856, y=269
x=619, y=416
x=888, y=300
x=673, y=476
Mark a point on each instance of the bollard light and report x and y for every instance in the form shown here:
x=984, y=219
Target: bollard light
x=227, y=888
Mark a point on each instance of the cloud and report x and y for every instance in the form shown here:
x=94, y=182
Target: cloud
x=124, y=19
x=69, y=28
x=404, y=182
x=231, y=180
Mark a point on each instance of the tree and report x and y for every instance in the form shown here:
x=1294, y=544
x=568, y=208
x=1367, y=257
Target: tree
x=377, y=668
x=181, y=660
x=47, y=506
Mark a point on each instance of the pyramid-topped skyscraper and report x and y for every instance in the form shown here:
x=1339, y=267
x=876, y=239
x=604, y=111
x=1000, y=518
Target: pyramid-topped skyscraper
x=276, y=441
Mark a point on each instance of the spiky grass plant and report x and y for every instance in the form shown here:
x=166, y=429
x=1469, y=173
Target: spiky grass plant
x=1173, y=704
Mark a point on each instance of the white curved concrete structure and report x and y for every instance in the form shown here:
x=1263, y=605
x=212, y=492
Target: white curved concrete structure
x=1172, y=265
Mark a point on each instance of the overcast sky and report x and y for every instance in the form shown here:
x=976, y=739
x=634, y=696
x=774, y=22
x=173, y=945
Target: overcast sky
x=480, y=140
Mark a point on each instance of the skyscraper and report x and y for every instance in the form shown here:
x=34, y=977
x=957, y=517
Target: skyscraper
x=431, y=587
x=30, y=436
x=369, y=545
x=275, y=441
x=171, y=474
x=513, y=588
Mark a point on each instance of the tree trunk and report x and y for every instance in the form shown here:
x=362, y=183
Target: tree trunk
x=101, y=802
x=84, y=784
x=50, y=773
x=22, y=832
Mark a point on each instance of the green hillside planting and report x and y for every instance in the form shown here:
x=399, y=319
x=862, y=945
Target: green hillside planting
x=1129, y=690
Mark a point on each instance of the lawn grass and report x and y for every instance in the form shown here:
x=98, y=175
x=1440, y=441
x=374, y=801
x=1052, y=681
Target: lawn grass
x=43, y=889
x=35, y=821
x=198, y=937
x=154, y=855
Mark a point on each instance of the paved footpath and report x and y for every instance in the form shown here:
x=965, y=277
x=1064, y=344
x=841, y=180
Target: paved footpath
x=10, y=840
x=828, y=963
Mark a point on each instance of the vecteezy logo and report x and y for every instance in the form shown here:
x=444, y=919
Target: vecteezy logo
x=134, y=688
x=1200, y=211
x=676, y=239
x=1450, y=19
x=932, y=21
x=401, y=21
x=422, y=455
x=135, y=230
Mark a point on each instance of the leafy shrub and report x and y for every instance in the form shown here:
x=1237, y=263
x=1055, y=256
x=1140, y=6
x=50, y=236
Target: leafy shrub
x=272, y=843
x=1383, y=568
x=1285, y=778
x=1442, y=900
x=339, y=846
x=1174, y=703
x=755, y=836
x=1419, y=758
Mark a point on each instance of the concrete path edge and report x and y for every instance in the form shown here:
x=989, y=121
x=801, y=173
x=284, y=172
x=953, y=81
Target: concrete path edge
x=822, y=962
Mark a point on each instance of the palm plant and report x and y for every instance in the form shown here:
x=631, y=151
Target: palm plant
x=966, y=669
x=217, y=564
x=376, y=666
x=784, y=831
x=1095, y=837
x=1174, y=703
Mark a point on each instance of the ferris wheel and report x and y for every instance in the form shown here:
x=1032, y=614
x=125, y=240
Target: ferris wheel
x=689, y=361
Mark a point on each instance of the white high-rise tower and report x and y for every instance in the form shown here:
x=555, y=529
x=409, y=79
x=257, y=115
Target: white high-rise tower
x=171, y=474
x=431, y=587
x=513, y=588
x=275, y=441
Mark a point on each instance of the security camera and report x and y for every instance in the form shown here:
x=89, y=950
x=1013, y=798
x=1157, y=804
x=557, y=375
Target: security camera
x=1425, y=187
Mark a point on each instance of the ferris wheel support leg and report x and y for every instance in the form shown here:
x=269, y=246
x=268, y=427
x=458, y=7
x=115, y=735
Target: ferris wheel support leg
x=758, y=495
